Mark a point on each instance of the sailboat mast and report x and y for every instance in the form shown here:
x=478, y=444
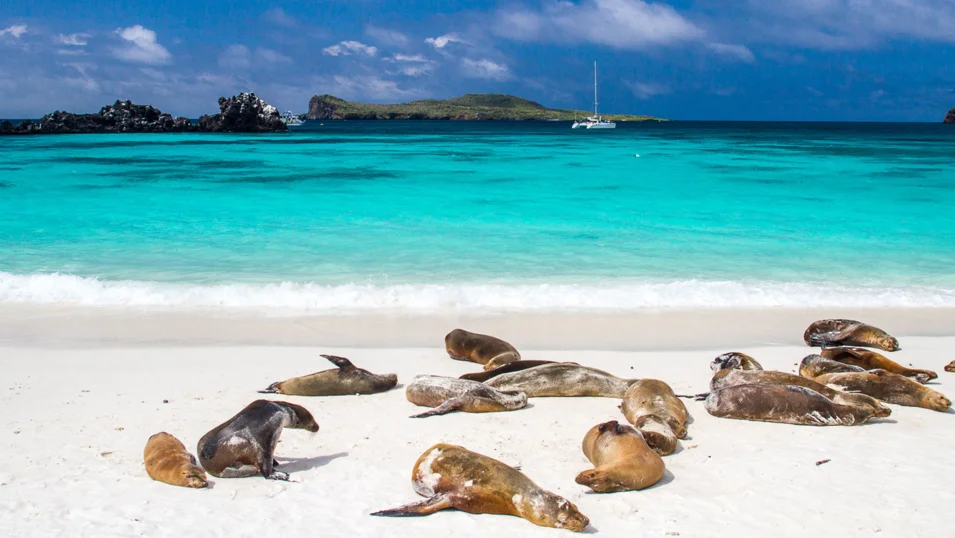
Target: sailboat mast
x=595, y=88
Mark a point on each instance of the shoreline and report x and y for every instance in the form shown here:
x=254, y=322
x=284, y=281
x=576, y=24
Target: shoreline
x=631, y=330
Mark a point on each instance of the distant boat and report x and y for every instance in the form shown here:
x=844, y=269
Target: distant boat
x=595, y=121
x=292, y=120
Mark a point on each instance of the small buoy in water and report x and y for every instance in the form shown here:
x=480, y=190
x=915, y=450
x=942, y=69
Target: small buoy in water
x=636, y=154
x=321, y=124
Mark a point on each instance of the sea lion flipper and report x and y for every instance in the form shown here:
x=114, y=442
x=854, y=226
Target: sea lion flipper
x=448, y=406
x=272, y=389
x=421, y=508
x=340, y=362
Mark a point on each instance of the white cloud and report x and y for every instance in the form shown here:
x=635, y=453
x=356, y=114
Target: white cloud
x=733, y=52
x=71, y=52
x=647, y=90
x=278, y=16
x=15, y=31
x=444, y=40
x=485, y=69
x=74, y=40
x=416, y=58
x=385, y=36
x=368, y=87
x=625, y=24
x=236, y=57
x=141, y=46
x=347, y=48
x=272, y=56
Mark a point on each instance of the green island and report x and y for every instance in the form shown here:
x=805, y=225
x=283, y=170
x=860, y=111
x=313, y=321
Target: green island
x=479, y=106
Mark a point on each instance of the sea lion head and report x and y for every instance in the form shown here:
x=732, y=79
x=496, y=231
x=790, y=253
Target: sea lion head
x=556, y=511
x=732, y=360
x=301, y=418
x=194, y=477
x=888, y=343
x=936, y=401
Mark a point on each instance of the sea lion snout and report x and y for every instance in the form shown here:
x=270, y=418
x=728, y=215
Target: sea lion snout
x=937, y=402
x=612, y=425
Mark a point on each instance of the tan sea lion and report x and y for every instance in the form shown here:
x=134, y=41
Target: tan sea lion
x=651, y=406
x=480, y=348
x=950, y=367
x=505, y=369
x=562, y=379
x=888, y=387
x=168, y=461
x=244, y=445
x=741, y=361
x=846, y=332
x=454, y=477
x=813, y=366
x=346, y=379
x=788, y=404
x=870, y=360
x=447, y=394
x=622, y=459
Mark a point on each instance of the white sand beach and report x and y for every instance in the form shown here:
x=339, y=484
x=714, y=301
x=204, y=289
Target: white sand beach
x=78, y=409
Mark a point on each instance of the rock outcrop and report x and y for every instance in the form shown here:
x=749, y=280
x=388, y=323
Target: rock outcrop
x=950, y=118
x=243, y=113
x=120, y=117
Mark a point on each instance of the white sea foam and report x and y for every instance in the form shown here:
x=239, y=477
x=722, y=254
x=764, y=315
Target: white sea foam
x=311, y=298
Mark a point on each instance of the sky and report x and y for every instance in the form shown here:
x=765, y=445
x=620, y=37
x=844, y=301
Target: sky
x=768, y=60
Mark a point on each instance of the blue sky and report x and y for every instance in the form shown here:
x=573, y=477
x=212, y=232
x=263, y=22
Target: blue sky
x=880, y=60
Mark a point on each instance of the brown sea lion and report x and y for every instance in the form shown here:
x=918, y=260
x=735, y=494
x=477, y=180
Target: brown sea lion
x=480, y=348
x=870, y=360
x=622, y=459
x=788, y=404
x=813, y=366
x=244, y=445
x=562, y=379
x=168, y=461
x=740, y=361
x=505, y=369
x=346, y=379
x=651, y=406
x=454, y=477
x=731, y=375
x=950, y=367
x=888, y=387
x=447, y=394
x=846, y=332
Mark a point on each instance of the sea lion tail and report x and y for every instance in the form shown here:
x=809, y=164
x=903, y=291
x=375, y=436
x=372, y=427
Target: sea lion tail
x=340, y=362
x=272, y=389
x=422, y=508
x=448, y=406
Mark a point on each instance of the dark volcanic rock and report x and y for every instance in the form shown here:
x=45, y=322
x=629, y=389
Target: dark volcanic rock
x=120, y=117
x=950, y=118
x=243, y=113
x=323, y=107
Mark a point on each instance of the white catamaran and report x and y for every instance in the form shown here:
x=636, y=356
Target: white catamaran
x=595, y=121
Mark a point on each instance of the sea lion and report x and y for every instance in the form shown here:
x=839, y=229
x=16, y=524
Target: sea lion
x=651, y=406
x=447, y=394
x=788, y=404
x=846, y=332
x=950, y=367
x=888, y=387
x=244, y=445
x=454, y=477
x=870, y=360
x=480, y=348
x=505, y=369
x=168, y=461
x=740, y=361
x=813, y=366
x=622, y=459
x=562, y=379
x=346, y=379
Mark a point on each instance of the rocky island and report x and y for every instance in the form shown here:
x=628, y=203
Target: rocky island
x=950, y=118
x=243, y=113
x=483, y=106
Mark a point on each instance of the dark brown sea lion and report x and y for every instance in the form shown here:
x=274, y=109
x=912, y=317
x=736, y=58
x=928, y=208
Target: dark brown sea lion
x=516, y=366
x=167, y=460
x=950, y=367
x=454, y=477
x=651, y=406
x=788, y=404
x=870, y=360
x=244, y=445
x=846, y=332
x=740, y=361
x=622, y=459
x=447, y=394
x=480, y=348
x=562, y=379
x=346, y=379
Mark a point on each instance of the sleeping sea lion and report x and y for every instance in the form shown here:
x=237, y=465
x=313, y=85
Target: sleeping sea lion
x=168, y=461
x=562, y=379
x=244, y=445
x=788, y=404
x=622, y=459
x=741, y=361
x=846, y=332
x=651, y=406
x=870, y=360
x=346, y=379
x=454, y=477
x=516, y=366
x=447, y=394
x=950, y=367
x=813, y=366
x=480, y=348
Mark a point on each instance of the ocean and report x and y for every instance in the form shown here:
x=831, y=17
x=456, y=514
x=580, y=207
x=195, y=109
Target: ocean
x=340, y=217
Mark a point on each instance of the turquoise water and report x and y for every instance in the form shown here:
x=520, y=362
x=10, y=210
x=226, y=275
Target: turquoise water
x=461, y=215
